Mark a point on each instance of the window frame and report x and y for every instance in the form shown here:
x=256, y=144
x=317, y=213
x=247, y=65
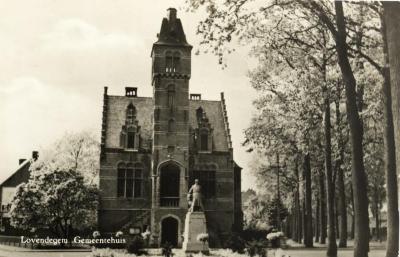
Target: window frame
x=128, y=180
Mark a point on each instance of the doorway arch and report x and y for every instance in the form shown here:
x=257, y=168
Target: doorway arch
x=169, y=231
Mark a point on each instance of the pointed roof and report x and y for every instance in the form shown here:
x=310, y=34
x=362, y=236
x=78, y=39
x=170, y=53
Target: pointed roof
x=171, y=32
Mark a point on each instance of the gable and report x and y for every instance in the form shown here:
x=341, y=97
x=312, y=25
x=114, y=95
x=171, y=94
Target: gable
x=116, y=115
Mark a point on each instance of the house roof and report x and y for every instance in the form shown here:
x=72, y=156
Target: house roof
x=116, y=111
x=20, y=175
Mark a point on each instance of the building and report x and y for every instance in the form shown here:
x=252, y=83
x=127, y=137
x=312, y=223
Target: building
x=7, y=191
x=152, y=149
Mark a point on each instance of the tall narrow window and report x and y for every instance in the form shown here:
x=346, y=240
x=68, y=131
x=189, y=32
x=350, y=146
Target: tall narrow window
x=138, y=181
x=176, y=60
x=129, y=182
x=171, y=95
x=204, y=141
x=130, y=114
x=168, y=62
x=131, y=140
x=121, y=180
x=171, y=125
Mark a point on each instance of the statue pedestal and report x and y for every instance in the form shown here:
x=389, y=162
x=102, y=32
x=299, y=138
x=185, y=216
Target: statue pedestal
x=195, y=224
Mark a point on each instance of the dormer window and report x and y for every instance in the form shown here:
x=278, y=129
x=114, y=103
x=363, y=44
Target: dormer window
x=172, y=62
x=204, y=141
x=130, y=114
x=131, y=140
x=130, y=132
x=203, y=134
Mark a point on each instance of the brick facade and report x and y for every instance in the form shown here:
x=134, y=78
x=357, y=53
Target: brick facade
x=153, y=148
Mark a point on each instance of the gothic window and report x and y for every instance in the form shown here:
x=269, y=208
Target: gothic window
x=172, y=62
x=207, y=182
x=130, y=180
x=171, y=95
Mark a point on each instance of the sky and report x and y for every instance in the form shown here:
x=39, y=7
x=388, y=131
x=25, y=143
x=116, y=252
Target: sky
x=58, y=55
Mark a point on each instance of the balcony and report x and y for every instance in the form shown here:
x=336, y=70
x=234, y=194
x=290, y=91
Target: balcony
x=169, y=201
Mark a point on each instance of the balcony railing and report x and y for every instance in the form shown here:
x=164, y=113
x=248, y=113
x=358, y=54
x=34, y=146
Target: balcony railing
x=169, y=201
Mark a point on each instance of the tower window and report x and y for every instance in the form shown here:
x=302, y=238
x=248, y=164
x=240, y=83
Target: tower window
x=172, y=62
x=171, y=125
x=171, y=95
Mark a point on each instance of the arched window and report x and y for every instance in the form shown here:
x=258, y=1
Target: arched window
x=130, y=180
x=171, y=95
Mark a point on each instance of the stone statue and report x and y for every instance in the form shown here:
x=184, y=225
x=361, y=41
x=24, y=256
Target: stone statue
x=195, y=191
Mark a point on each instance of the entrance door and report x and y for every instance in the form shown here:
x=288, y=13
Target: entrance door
x=169, y=191
x=169, y=231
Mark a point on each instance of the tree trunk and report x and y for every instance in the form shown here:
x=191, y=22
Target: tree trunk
x=332, y=247
x=308, y=239
x=304, y=221
x=317, y=233
x=297, y=206
x=391, y=38
x=352, y=231
x=359, y=178
x=322, y=214
x=340, y=174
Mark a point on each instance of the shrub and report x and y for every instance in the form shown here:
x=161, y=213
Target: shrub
x=251, y=234
x=236, y=243
x=135, y=245
x=256, y=248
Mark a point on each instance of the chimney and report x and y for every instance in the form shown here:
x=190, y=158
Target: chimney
x=195, y=97
x=131, y=91
x=35, y=155
x=171, y=15
x=20, y=161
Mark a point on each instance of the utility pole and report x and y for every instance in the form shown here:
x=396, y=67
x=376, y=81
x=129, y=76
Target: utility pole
x=278, y=207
